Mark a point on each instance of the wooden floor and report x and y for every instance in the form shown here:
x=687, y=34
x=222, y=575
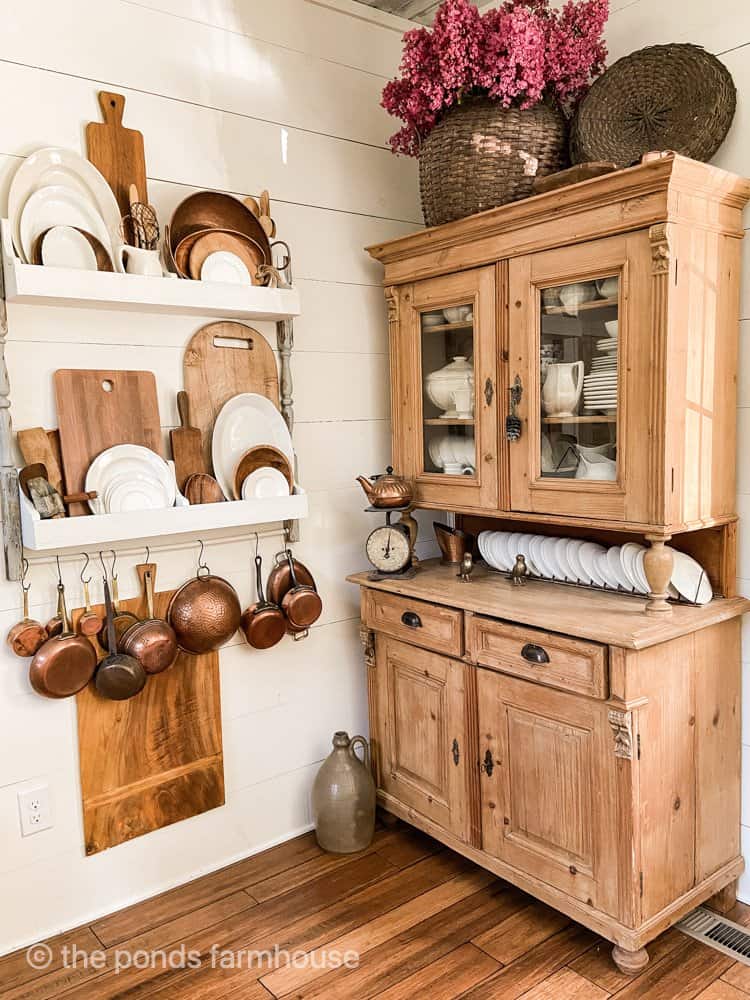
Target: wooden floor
x=425, y=922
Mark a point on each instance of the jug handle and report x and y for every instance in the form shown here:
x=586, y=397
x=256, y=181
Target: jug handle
x=579, y=372
x=365, y=749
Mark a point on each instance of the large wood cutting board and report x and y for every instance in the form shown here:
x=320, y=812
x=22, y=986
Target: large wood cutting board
x=156, y=758
x=99, y=409
x=223, y=360
x=117, y=152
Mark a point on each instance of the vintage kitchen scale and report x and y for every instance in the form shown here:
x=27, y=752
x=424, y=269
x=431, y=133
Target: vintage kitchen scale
x=390, y=548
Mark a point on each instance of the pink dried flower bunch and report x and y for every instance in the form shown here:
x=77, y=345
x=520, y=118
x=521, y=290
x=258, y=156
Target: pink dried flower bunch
x=519, y=54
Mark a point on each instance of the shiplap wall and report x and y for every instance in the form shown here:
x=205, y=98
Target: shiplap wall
x=236, y=96
x=722, y=27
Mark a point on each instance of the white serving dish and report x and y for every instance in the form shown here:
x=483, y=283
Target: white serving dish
x=244, y=422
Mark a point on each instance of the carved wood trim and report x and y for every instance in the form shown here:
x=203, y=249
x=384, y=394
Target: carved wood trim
x=621, y=724
x=661, y=260
x=367, y=638
x=10, y=504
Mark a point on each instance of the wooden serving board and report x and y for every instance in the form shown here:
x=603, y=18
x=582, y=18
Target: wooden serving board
x=40, y=446
x=99, y=409
x=117, y=152
x=223, y=360
x=155, y=759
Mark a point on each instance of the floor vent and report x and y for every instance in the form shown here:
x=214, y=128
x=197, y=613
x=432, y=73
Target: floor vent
x=717, y=932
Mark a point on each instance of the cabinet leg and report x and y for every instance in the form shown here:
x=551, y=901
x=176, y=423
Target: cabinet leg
x=630, y=963
x=658, y=565
x=723, y=901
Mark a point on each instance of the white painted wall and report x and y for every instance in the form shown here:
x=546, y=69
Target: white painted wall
x=722, y=27
x=219, y=88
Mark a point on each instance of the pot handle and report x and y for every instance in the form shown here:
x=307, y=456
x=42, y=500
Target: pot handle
x=259, y=579
x=111, y=635
x=365, y=749
x=292, y=574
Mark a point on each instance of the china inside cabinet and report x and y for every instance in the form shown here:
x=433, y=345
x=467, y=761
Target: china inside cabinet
x=567, y=365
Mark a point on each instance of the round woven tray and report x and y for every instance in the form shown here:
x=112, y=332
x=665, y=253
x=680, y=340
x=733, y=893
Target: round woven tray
x=482, y=155
x=676, y=97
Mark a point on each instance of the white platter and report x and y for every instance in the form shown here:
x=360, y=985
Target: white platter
x=64, y=246
x=59, y=206
x=245, y=421
x=63, y=167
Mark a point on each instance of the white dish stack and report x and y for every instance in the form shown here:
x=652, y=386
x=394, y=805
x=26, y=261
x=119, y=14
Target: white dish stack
x=576, y=560
x=600, y=385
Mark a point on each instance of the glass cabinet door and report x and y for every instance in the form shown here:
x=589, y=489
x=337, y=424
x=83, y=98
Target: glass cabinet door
x=445, y=392
x=579, y=379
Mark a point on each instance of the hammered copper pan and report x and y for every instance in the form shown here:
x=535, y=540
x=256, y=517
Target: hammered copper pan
x=205, y=612
x=152, y=642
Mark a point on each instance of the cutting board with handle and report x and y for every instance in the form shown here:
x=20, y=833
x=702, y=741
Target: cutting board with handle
x=221, y=361
x=156, y=758
x=187, y=441
x=40, y=447
x=99, y=409
x=117, y=152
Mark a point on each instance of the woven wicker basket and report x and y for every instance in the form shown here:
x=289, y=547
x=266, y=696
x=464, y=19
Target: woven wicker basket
x=482, y=155
x=676, y=97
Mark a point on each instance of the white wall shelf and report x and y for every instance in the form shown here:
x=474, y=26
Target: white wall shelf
x=55, y=286
x=101, y=530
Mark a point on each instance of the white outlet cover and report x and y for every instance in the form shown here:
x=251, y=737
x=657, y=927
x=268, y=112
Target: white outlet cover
x=35, y=809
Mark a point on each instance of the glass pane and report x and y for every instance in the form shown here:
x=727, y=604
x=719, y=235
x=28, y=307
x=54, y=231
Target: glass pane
x=447, y=344
x=579, y=379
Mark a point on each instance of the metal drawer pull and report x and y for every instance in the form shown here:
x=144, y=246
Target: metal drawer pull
x=535, y=654
x=411, y=619
x=456, y=752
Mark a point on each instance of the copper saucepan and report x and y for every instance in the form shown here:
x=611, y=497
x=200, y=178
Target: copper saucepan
x=301, y=603
x=122, y=620
x=205, y=612
x=264, y=623
x=64, y=664
x=119, y=676
x=26, y=636
x=152, y=642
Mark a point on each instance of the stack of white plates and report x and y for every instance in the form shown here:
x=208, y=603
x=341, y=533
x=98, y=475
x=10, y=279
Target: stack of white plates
x=600, y=385
x=575, y=560
x=130, y=478
x=58, y=189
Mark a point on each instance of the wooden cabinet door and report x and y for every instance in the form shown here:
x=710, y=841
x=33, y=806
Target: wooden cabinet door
x=444, y=388
x=582, y=343
x=425, y=758
x=548, y=786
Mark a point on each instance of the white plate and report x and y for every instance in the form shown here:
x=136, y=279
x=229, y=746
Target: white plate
x=136, y=494
x=64, y=246
x=690, y=579
x=524, y=545
x=574, y=558
x=549, y=556
x=226, y=267
x=265, y=482
x=503, y=559
x=601, y=564
x=628, y=558
x=561, y=554
x=535, y=547
x=589, y=555
x=132, y=460
x=482, y=545
x=59, y=206
x=245, y=421
x=616, y=571
x=56, y=166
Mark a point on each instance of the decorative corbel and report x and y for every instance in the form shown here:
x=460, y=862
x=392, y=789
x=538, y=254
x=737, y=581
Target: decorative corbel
x=621, y=724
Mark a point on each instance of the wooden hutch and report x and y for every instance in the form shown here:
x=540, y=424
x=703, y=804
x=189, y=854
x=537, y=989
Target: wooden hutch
x=602, y=774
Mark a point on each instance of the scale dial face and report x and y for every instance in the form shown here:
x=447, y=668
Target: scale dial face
x=389, y=550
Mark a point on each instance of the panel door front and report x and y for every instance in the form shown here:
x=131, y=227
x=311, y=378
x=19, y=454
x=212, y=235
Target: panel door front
x=581, y=346
x=547, y=786
x=444, y=391
x=425, y=760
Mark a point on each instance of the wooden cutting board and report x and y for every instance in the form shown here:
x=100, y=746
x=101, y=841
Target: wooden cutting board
x=187, y=445
x=117, y=152
x=99, y=409
x=40, y=446
x=223, y=360
x=156, y=758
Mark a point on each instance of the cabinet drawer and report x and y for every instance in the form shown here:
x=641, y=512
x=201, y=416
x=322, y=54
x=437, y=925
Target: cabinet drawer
x=428, y=625
x=543, y=657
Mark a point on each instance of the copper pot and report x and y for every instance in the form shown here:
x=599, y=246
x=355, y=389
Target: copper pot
x=264, y=623
x=301, y=603
x=64, y=664
x=204, y=613
x=28, y=635
x=119, y=676
x=152, y=642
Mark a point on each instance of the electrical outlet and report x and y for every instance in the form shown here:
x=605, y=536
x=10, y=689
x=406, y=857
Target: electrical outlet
x=35, y=808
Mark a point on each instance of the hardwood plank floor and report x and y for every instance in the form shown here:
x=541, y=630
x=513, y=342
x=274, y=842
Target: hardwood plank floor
x=414, y=919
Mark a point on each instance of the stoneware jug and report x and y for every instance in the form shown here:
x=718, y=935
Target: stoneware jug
x=343, y=797
x=562, y=388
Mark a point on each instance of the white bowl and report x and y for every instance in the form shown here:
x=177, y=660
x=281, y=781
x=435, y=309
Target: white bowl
x=608, y=287
x=456, y=314
x=612, y=327
x=574, y=295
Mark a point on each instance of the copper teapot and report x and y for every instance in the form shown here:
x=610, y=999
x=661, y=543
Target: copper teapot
x=387, y=490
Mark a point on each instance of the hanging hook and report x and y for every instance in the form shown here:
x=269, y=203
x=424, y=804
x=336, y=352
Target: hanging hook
x=148, y=554
x=85, y=555
x=202, y=567
x=112, y=572
x=59, y=571
x=101, y=560
x=25, y=587
x=257, y=542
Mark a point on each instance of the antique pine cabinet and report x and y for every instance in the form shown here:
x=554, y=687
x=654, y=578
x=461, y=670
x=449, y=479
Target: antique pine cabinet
x=584, y=745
